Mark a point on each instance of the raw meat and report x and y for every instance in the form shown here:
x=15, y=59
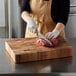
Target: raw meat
x=42, y=42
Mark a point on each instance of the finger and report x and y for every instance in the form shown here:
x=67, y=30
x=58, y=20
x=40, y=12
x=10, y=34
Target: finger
x=51, y=35
x=35, y=31
x=48, y=35
x=55, y=36
x=31, y=31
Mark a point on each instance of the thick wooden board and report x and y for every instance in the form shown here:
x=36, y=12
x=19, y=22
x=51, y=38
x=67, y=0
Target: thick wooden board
x=25, y=50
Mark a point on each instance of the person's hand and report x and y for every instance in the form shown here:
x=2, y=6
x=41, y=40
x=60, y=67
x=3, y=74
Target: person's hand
x=54, y=34
x=31, y=25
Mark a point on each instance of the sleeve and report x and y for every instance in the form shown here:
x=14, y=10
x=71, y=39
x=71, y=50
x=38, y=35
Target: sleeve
x=60, y=11
x=25, y=6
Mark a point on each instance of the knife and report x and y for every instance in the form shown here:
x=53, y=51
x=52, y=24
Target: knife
x=43, y=37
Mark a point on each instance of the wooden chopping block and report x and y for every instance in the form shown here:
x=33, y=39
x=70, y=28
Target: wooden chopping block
x=25, y=50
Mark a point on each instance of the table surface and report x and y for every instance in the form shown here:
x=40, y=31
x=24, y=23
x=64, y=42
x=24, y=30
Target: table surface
x=65, y=65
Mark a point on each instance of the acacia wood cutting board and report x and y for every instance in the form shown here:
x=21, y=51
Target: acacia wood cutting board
x=25, y=50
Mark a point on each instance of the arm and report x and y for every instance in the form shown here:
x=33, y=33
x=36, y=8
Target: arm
x=25, y=14
x=60, y=12
x=25, y=9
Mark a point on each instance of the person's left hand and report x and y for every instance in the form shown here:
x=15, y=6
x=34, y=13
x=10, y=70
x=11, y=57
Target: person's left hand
x=54, y=34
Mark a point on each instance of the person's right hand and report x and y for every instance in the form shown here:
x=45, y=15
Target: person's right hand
x=31, y=25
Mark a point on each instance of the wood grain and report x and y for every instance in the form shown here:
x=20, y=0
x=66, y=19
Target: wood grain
x=25, y=50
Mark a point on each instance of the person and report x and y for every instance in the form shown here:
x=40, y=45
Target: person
x=49, y=17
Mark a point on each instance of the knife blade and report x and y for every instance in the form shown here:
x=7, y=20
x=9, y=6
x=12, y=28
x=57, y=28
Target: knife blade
x=43, y=37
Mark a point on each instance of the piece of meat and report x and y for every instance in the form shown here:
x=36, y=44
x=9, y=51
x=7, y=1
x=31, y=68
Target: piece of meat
x=54, y=41
x=42, y=42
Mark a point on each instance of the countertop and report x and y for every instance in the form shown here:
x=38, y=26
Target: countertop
x=65, y=65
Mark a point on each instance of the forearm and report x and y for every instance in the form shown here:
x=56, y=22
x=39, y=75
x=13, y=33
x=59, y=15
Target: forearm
x=24, y=15
x=60, y=26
